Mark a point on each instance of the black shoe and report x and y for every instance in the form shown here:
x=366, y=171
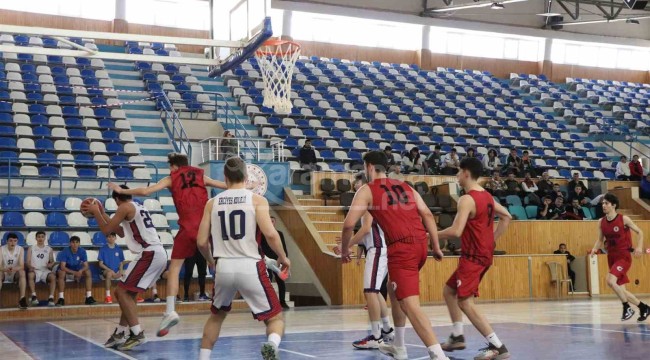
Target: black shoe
x=186, y=299
x=90, y=301
x=284, y=305
x=454, y=343
x=644, y=312
x=61, y=302
x=627, y=313
x=22, y=304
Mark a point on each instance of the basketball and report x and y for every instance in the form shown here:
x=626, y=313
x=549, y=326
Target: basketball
x=84, y=206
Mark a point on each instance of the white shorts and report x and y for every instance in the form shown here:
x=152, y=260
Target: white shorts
x=376, y=269
x=144, y=270
x=41, y=275
x=10, y=277
x=250, y=278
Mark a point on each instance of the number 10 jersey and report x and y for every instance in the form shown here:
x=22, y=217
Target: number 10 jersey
x=140, y=232
x=234, y=225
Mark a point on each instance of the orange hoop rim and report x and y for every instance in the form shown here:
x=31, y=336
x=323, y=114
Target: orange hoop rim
x=277, y=42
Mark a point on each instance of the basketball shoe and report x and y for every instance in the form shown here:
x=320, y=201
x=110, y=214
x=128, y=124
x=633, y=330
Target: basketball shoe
x=628, y=312
x=115, y=340
x=396, y=352
x=644, y=312
x=491, y=352
x=270, y=351
x=168, y=321
x=35, y=301
x=388, y=336
x=133, y=341
x=367, y=343
x=454, y=343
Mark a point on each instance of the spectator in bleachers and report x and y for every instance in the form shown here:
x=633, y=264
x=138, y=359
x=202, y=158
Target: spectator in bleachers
x=433, y=161
x=580, y=195
x=530, y=190
x=228, y=145
x=557, y=192
x=495, y=185
x=548, y=210
x=527, y=164
x=412, y=163
x=513, y=162
x=397, y=174
x=623, y=169
x=12, y=266
x=644, y=189
x=450, y=163
x=201, y=266
x=575, y=181
x=560, y=208
x=74, y=265
x=512, y=185
x=491, y=162
x=392, y=164
x=636, y=169
x=111, y=263
x=544, y=186
x=569, y=259
x=40, y=260
x=307, y=157
x=574, y=211
x=471, y=153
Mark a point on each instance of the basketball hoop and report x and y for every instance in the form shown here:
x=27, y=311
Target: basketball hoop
x=277, y=59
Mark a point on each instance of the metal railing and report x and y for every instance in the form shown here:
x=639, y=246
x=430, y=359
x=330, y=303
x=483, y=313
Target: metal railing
x=10, y=176
x=174, y=126
x=212, y=149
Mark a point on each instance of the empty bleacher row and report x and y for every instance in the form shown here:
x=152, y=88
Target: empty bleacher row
x=348, y=108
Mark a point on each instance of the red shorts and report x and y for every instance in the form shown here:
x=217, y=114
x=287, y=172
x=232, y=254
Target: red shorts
x=467, y=277
x=619, y=264
x=404, y=264
x=185, y=242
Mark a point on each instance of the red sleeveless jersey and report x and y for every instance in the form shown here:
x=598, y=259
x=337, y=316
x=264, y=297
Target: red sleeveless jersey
x=618, y=238
x=190, y=195
x=394, y=209
x=477, y=240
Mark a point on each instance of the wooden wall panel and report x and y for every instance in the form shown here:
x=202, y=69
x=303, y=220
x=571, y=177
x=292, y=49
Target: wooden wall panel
x=498, y=67
x=559, y=73
x=639, y=271
x=358, y=53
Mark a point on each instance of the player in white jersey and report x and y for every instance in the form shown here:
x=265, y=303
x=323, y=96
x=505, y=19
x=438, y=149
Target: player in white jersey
x=232, y=219
x=40, y=260
x=12, y=266
x=132, y=222
x=371, y=237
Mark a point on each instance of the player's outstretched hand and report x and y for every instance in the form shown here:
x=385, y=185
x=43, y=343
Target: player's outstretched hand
x=438, y=255
x=638, y=251
x=114, y=187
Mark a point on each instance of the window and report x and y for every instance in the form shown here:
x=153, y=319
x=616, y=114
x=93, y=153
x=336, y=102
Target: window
x=511, y=49
x=87, y=9
x=187, y=14
x=600, y=55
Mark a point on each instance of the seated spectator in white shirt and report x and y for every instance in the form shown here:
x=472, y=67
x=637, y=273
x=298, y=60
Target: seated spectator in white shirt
x=450, y=163
x=530, y=188
x=491, y=162
x=623, y=169
x=413, y=162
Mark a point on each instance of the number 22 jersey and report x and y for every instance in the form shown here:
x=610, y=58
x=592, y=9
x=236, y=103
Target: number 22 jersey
x=234, y=225
x=140, y=232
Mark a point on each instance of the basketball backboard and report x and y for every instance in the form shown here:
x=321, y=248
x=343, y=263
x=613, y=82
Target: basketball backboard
x=246, y=17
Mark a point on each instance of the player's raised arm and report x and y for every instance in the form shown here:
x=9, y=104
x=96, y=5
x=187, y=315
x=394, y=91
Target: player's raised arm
x=208, y=181
x=504, y=220
x=164, y=183
x=358, y=208
x=430, y=224
x=465, y=207
x=202, y=237
x=263, y=218
x=599, y=243
x=638, y=250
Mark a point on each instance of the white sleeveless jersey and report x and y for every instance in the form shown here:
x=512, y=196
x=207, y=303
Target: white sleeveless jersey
x=40, y=256
x=11, y=259
x=375, y=238
x=234, y=225
x=140, y=232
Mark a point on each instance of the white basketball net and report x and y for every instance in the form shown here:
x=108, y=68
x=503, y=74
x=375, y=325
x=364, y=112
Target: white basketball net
x=276, y=61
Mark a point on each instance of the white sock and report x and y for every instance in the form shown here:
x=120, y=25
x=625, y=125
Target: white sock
x=385, y=323
x=204, y=354
x=399, y=336
x=136, y=329
x=108, y=293
x=171, y=303
x=458, y=329
x=375, y=329
x=60, y=295
x=436, y=350
x=275, y=339
x=122, y=329
x=155, y=292
x=89, y=294
x=33, y=294
x=494, y=340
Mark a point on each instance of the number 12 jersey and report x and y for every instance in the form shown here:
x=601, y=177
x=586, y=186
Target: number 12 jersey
x=234, y=225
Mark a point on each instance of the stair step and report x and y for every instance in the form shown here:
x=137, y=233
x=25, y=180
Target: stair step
x=151, y=134
x=155, y=152
x=122, y=67
x=326, y=216
x=134, y=76
x=148, y=140
x=129, y=87
x=328, y=226
x=138, y=107
x=329, y=237
x=311, y=202
x=140, y=114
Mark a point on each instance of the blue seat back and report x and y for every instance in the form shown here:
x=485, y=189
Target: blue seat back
x=11, y=202
x=53, y=203
x=513, y=200
x=59, y=238
x=99, y=239
x=13, y=219
x=56, y=219
x=518, y=211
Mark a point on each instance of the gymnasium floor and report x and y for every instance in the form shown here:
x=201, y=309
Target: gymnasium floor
x=579, y=329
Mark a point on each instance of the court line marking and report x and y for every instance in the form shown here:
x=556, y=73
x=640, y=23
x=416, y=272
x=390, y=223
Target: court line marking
x=592, y=329
x=298, y=353
x=92, y=341
x=4, y=339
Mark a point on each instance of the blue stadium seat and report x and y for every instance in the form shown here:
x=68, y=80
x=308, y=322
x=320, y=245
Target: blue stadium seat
x=53, y=203
x=80, y=146
x=7, y=131
x=46, y=158
x=38, y=120
x=518, y=212
x=123, y=173
x=115, y=147
x=13, y=219
x=87, y=173
x=531, y=211
x=44, y=144
x=59, y=239
x=42, y=131
x=7, y=143
x=56, y=219
x=513, y=200
x=48, y=171
x=11, y=202
x=99, y=239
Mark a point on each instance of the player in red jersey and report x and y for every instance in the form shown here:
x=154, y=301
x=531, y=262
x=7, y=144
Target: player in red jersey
x=474, y=224
x=188, y=187
x=615, y=232
x=400, y=212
